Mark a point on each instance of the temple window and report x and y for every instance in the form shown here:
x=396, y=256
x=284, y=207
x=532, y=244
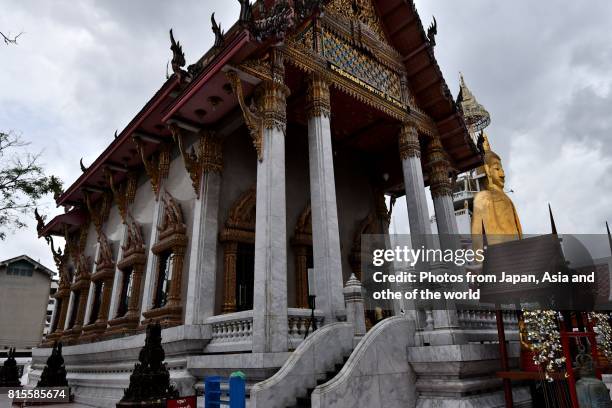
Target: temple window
x=245, y=270
x=131, y=267
x=301, y=243
x=167, y=302
x=74, y=308
x=97, y=299
x=238, y=238
x=164, y=278
x=58, y=308
x=126, y=292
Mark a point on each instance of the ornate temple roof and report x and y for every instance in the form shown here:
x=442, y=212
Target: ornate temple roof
x=476, y=116
x=198, y=95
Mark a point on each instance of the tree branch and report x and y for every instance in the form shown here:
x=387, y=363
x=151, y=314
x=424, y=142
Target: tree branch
x=8, y=39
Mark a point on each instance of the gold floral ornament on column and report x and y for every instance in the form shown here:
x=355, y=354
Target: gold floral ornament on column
x=205, y=156
x=318, y=100
x=267, y=109
x=408, y=141
x=439, y=169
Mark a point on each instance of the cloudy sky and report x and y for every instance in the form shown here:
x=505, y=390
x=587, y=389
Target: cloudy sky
x=543, y=70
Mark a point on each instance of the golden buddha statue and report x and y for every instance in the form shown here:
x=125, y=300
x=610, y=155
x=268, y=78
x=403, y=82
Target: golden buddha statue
x=492, y=206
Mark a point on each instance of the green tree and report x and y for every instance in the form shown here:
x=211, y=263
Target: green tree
x=22, y=182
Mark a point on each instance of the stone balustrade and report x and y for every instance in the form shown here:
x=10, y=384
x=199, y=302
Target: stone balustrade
x=231, y=332
x=481, y=325
x=299, y=320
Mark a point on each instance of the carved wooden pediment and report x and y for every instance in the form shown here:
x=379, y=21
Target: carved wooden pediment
x=303, y=228
x=362, y=11
x=105, y=254
x=83, y=272
x=134, y=247
x=240, y=224
x=172, y=231
x=242, y=213
x=134, y=241
x=172, y=221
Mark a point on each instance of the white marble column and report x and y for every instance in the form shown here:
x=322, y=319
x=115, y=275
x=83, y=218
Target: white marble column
x=270, y=287
x=91, y=291
x=112, y=310
x=416, y=202
x=445, y=320
x=201, y=285
x=150, y=269
x=69, y=311
x=441, y=192
x=325, y=233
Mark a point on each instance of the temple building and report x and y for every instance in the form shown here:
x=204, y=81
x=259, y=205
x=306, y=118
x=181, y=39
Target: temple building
x=268, y=156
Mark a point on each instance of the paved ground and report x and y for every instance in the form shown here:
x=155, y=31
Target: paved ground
x=5, y=402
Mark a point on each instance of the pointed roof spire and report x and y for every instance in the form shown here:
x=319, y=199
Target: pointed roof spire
x=475, y=115
x=485, y=242
x=609, y=236
x=552, y=220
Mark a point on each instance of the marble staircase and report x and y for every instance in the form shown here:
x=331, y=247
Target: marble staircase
x=304, y=401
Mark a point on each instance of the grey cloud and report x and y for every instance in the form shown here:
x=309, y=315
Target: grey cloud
x=83, y=69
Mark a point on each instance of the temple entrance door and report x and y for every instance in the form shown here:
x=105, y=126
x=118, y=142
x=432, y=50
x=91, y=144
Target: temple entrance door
x=245, y=270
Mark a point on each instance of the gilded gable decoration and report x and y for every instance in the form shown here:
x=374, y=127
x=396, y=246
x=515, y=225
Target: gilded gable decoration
x=346, y=59
x=358, y=10
x=273, y=22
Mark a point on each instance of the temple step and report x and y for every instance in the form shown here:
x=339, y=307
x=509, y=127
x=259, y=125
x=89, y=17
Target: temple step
x=304, y=402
